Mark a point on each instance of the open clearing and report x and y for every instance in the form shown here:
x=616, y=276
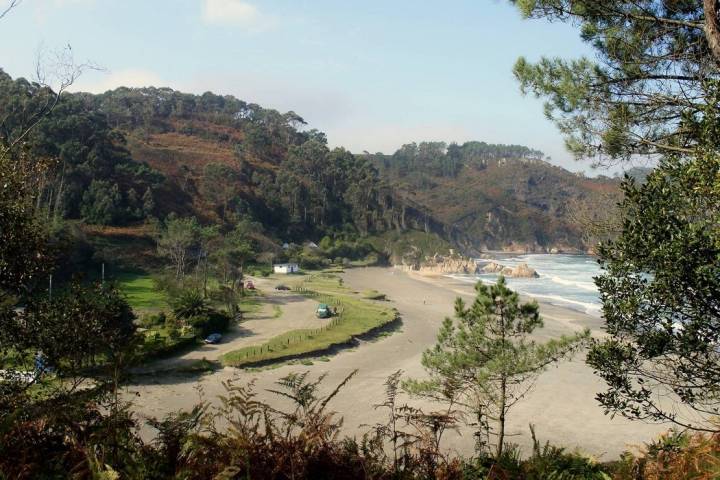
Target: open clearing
x=353, y=316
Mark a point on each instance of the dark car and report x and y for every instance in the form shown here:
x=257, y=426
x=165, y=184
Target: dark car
x=323, y=311
x=213, y=338
x=282, y=287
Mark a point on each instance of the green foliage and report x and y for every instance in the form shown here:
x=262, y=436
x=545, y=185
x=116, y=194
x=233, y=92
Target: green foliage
x=143, y=291
x=94, y=176
x=661, y=299
x=25, y=252
x=355, y=317
x=442, y=160
x=485, y=360
x=102, y=203
x=189, y=304
x=177, y=237
x=153, y=320
x=75, y=327
x=210, y=322
x=627, y=101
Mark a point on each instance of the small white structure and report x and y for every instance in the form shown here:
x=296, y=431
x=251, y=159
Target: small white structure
x=286, y=268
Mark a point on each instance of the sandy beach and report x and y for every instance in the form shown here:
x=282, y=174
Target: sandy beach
x=561, y=406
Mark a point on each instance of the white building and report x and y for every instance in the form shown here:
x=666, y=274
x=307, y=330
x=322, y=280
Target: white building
x=286, y=268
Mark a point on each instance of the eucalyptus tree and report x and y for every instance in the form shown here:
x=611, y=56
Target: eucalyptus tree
x=177, y=238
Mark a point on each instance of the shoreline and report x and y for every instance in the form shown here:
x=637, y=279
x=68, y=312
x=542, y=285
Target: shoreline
x=451, y=281
x=556, y=312
x=562, y=404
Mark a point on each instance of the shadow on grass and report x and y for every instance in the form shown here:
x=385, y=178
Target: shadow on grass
x=182, y=371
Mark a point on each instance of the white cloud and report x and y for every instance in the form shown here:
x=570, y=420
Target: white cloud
x=99, y=82
x=237, y=13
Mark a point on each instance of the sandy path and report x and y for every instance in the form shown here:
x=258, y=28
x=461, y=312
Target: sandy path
x=296, y=312
x=562, y=405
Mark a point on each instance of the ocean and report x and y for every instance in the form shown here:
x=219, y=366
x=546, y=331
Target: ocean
x=565, y=280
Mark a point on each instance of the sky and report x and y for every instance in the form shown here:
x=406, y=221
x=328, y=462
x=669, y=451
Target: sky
x=372, y=74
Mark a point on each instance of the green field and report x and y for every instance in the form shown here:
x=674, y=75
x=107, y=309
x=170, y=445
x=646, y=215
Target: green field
x=357, y=316
x=140, y=291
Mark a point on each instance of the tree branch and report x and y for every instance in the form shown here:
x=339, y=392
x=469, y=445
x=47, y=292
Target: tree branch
x=13, y=4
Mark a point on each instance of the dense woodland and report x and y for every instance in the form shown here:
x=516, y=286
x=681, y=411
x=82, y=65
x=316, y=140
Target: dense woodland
x=129, y=155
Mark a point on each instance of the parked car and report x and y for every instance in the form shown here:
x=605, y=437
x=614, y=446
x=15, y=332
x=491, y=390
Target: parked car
x=323, y=311
x=250, y=285
x=213, y=338
x=284, y=288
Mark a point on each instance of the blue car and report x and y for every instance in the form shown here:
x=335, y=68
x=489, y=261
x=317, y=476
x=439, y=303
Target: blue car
x=213, y=338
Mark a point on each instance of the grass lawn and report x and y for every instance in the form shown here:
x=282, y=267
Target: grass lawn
x=357, y=316
x=140, y=291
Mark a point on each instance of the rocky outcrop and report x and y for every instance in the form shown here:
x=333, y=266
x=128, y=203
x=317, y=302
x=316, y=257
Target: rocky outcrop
x=520, y=271
x=492, y=267
x=443, y=264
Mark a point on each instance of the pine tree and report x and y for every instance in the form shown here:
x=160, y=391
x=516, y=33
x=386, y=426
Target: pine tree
x=485, y=360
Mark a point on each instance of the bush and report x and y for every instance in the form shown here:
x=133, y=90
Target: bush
x=210, y=322
x=312, y=262
x=190, y=304
x=674, y=456
x=167, y=283
x=156, y=320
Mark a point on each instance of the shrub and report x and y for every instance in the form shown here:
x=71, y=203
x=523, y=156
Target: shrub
x=308, y=262
x=156, y=320
x=674, y=456
x=210, y=322
x=190, y=304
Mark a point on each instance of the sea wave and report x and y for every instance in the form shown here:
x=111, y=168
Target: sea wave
x=590, y=308
x=589, y=286
x=555, y=299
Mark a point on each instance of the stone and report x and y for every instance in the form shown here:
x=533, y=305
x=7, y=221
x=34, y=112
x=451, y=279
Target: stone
x=492, y=267
x=523, y=271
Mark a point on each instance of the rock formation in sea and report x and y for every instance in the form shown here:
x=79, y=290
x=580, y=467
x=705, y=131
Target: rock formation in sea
x=492, y=267
x=520, y=271
x=443, y=264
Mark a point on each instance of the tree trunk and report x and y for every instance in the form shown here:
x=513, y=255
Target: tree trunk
x=501, y=418
x=712, y=28
x=205, y=278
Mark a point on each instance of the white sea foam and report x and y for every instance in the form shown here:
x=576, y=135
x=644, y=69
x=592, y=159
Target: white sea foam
x=589, y=286
x=591, y=308
x=565, y=280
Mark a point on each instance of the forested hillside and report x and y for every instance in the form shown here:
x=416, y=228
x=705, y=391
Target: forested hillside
x=129, y=155
x=498, y=196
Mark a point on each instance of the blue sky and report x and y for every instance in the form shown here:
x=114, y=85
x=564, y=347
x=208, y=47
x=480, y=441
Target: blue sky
x=372, y=74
